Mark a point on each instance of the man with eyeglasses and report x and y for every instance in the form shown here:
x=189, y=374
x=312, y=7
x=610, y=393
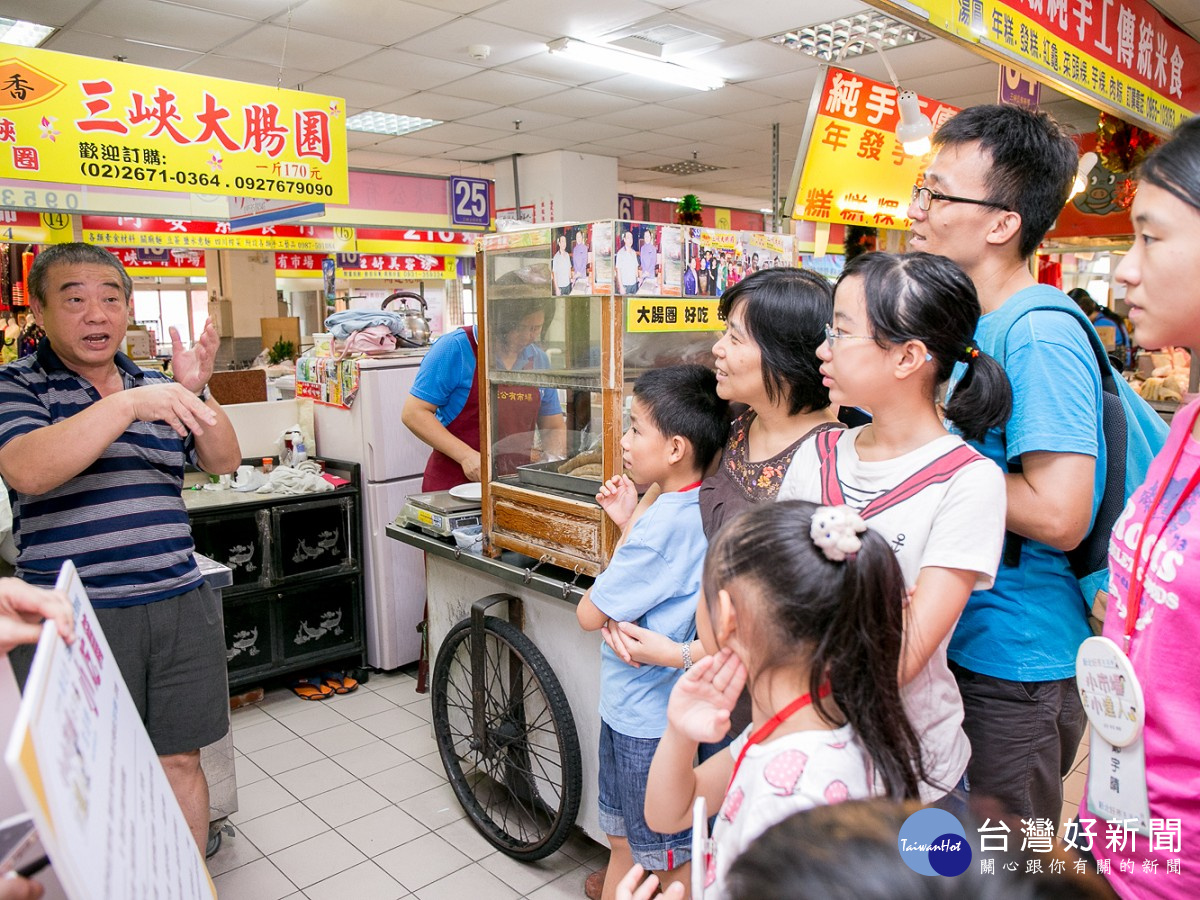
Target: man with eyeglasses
x=999, y=178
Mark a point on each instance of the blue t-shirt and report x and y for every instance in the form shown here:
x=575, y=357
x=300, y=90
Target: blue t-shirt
x=1029, y=625
x=653, y=580
x=445, y=376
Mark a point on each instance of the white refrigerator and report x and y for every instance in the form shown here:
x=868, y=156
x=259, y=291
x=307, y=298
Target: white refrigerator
x=392, y=460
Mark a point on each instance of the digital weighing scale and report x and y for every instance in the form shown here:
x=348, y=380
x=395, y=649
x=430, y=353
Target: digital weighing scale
x=438, y=514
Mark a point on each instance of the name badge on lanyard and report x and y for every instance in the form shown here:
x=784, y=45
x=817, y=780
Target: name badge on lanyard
x=1116, y=710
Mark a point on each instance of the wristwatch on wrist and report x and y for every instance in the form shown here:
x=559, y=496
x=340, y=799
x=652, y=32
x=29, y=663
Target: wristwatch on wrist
x=686, y=649
x=204, y=394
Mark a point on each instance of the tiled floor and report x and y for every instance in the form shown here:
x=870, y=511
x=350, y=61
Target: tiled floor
x=346, y=798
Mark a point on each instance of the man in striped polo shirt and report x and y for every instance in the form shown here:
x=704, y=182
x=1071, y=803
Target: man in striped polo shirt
x=92, y=450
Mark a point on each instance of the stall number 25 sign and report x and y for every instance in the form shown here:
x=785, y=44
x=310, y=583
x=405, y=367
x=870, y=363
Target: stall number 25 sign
x=470, y=202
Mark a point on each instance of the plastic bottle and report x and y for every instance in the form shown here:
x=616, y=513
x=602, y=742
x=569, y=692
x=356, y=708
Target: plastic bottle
x=268, y=464
x=299, y=452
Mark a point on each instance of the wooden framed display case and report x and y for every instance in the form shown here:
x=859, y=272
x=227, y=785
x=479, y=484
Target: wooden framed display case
x=592, y=336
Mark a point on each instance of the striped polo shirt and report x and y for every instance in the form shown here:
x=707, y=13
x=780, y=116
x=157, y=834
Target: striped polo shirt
x=122, y=519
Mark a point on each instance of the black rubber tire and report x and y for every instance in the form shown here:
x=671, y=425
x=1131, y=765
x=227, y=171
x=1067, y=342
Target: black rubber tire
x=522, y=790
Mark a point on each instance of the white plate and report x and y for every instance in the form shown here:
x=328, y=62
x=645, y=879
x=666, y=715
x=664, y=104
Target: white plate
x=472, y=490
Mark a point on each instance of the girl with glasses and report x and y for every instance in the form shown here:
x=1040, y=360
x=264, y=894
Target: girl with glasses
x=900, y=325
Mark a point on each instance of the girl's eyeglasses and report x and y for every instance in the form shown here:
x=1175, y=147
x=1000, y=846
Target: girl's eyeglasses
x=833, y=336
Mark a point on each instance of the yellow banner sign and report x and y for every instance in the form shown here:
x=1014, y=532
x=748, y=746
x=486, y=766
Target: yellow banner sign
x=78, y=120
x=644, y=316
x=856, y=172
x=1125, y=55
x=21, y=227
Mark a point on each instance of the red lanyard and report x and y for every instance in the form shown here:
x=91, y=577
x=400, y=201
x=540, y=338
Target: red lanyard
x=1133, y=603
x=690, y=487
x=761, y=734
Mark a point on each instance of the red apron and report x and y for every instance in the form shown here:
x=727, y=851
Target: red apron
x=517, y=408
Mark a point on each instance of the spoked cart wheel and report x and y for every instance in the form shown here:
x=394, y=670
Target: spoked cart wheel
x=505, y=734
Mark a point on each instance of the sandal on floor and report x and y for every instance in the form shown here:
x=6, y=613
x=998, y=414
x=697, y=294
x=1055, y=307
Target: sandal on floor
x=312, y=689
x=340, y=682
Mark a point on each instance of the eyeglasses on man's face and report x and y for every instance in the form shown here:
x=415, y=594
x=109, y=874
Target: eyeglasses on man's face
x=923, y=197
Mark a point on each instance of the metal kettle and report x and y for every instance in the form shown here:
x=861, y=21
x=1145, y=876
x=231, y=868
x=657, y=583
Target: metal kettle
x=416, y=321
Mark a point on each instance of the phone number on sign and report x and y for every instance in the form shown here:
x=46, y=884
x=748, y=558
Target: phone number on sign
x=281, y=186
x=202, y=179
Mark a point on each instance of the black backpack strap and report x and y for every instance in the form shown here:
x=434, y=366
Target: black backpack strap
x=1115, y=437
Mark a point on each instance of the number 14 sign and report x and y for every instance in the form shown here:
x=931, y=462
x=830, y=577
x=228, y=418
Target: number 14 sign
x=470, y=202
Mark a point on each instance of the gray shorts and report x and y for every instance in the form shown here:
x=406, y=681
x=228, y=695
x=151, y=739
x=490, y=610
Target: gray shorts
x=171, y=654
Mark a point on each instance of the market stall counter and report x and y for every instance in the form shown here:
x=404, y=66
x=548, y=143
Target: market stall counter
x=515, y=710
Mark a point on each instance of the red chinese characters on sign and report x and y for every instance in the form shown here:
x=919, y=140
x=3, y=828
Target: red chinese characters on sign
x=1131, y=37
x=386, y=262
x=298, y=262
x=874, y=104
x=158, y=114
x=413, y=235
x=25, y=158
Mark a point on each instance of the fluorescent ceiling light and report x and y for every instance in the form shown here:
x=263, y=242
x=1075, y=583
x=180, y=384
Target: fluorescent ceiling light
x=637, y=64
x=374, y=122
x=23, y=34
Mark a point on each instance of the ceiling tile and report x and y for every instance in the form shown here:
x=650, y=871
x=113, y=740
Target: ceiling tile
x=429, y=105
x=500, y=88
x=416, y=144
x=269, y=43
x=382, y=21
x=360, y=140
x=407, y=70
x=730, y=98
x=596, y=150
x=582, y=130
x=784, y=113
x=174, y=26
x=798, y=86
x=753, y=59
x=81, y=43
x=465, y=135
x=459, y=6
x=504, y=117
x=450, y=41
x=580, y=102
x=374, y=159
x=558, y=67
x=480, y=154
x=523, y=143
x=259, y=10
x=647, y=116
x=640, y=140
x=555, y=19
x=249, y=71
x=763, y=18
x=643, y=89
x=359, y=95
x=49, y=12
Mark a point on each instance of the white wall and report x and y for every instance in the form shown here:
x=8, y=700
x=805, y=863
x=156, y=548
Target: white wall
x=563, y=186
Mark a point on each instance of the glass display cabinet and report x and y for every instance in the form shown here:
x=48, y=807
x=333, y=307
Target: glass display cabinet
x=569, y=317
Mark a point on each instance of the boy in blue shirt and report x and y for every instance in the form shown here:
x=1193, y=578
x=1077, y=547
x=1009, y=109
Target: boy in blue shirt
x=677, y=425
